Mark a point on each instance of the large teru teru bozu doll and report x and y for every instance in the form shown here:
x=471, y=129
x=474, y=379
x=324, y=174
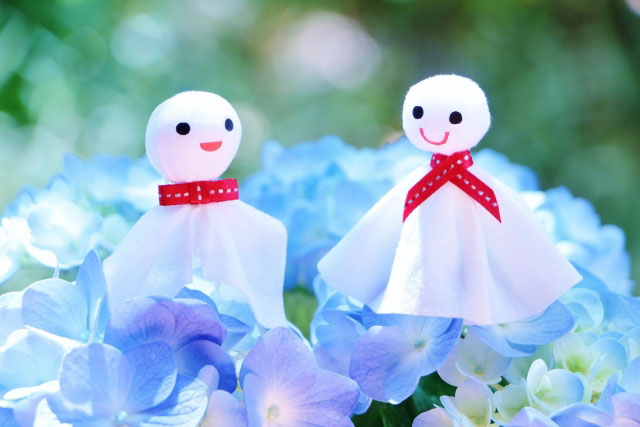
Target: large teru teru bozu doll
x=191, y=139
x=449, y=240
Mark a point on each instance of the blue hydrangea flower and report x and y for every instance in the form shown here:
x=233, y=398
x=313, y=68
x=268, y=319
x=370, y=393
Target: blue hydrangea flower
x=575, y=225
x=551, y=390
x=520, y=338
x=76, y=311
x=114, y=181
x=282, y=385
x=191, y=328
x=397, y=350
x=472, y=358
x=99, y=384
x=472, y=406
x=29, y=367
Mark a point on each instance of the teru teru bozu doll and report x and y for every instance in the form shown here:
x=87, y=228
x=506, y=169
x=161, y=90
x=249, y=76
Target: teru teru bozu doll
x=449, y=240
x=191, y=139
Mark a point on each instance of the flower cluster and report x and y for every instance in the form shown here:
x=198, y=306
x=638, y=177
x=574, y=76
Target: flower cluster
x=67, y=357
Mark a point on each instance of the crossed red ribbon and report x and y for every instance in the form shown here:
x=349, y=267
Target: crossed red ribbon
x=198, y=192
x=452, y=169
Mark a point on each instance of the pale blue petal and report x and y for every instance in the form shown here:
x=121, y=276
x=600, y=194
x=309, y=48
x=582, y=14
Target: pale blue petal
x=496, y=338
x=29, y=359
x=224, y=410
x=626, y=406
x=436, y=417
x=586, y=305
x=281, y=359
x=188, y=293
x=185, y=407
x=236, y=331
x=630, y=380
x=91, y=282
x=582, y=415
x=96, y=375
x=331, y=400
x=547, y=327
x=58, y=307
x=10, y=314
x=195, y=355
x=7, y=419
x=530, y=417
x=153, y=376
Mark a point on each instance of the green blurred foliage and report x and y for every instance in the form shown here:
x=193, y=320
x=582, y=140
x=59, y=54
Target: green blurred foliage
x=562, y=77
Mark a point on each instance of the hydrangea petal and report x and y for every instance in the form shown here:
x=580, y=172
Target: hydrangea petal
x=174, y=321
x=388, y=361
x=281, y=358
x=58, y=307
x=97, y=375
x=472, y=404
x=626, y=407
x=91, y=282
x=10, y=314
x=630, y=380
x=7, y=419
x=544, y=328
x=153, y=376
x=331, y=400
x=509, y=402
x=138, y=321
x=224, y=410
x=530, y=417
x=436, y=417
x=185, y=407
x=582, y=415
x=193, y=356
x=475, y=359
x=29, y=359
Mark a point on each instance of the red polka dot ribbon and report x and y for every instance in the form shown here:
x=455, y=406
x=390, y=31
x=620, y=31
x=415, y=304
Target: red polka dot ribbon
x=454, y=169
x=198, y=192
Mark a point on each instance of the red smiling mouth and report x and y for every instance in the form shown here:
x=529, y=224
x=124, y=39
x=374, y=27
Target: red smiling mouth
x=443, y=141
x=211, y=146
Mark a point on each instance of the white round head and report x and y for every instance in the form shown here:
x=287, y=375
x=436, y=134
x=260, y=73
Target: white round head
x=193, y=136
x=445, y=114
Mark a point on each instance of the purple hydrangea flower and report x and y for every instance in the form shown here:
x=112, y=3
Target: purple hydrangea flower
x=283, y=385
x=99, y=385
x=190, y=327
x=389, y=359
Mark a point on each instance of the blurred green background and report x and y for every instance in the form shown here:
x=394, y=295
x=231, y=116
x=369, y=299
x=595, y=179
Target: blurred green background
x=562, y=78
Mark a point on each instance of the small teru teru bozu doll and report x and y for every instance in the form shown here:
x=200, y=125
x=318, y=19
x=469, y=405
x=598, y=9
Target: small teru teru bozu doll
x=191, y=139
x=449, y=240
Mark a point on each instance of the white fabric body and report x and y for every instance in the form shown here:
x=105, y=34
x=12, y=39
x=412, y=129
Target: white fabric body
x=236, y=244
x=451, y=257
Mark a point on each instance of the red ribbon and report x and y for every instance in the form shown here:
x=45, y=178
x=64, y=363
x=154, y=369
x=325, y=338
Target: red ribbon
x=198, y=192
x=454, y=169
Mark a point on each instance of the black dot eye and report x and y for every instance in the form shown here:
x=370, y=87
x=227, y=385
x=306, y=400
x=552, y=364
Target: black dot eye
x=455, y=118
x=183, y=128
x=228, y=125
x=418, y=112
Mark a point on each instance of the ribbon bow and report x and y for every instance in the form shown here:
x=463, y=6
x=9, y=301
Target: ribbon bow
x=454, y=169
x=198, y=192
